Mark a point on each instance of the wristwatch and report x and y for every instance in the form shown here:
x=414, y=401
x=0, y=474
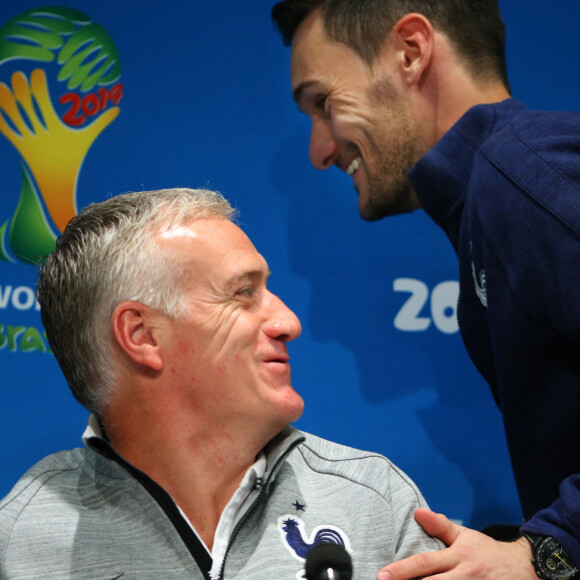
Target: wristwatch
x=551, y=561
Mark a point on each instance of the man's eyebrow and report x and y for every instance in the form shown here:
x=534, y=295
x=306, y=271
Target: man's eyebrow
x=247, y=276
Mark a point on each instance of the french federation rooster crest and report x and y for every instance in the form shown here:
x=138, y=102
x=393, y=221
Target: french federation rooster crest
x=294, y=537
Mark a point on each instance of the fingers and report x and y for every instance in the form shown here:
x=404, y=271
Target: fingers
x=9, y=109
x=427, y=563
x=437, y=525
x=103, y=121
x=24, y=93
x=17, y=106
x=417, y=566
x=39, y=87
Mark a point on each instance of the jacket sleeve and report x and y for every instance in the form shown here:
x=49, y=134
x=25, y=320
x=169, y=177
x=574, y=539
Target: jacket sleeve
x=405, y=498
x=562, y=519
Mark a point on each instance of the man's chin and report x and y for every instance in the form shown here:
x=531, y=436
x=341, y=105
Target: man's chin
x=371, y=210
x=372, y=213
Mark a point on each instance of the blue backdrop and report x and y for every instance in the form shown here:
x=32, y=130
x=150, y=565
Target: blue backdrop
x=204, y=100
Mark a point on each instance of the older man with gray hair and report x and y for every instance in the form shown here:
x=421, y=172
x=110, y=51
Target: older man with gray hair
x=157, y=309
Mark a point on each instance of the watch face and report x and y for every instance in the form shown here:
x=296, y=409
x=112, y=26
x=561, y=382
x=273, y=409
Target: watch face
x=553, y=562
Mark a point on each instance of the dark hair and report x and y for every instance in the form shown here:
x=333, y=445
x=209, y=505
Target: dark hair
x=474, y=27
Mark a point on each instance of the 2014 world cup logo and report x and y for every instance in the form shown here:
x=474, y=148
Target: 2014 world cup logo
x=60, y=90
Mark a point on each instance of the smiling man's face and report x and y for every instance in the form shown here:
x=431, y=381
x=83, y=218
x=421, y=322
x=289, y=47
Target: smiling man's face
x=360, y=120
x=228, y=352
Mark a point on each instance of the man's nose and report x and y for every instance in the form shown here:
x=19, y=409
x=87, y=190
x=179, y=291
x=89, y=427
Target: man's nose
x=323, y=146
x=282, y=323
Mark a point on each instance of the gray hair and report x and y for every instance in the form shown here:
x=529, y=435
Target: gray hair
x=106, y=255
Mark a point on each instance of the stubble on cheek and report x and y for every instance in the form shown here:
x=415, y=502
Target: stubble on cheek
x=393, y=150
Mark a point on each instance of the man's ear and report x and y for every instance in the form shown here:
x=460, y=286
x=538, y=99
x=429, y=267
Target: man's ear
x=136, y=332
x=413, y=38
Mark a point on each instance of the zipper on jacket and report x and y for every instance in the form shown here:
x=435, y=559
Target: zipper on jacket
x=253, y=507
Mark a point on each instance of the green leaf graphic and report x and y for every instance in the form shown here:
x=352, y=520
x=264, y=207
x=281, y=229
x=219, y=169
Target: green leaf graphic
x=3, y=251
x=30, y=236
x=38, y=34
x=89, y=57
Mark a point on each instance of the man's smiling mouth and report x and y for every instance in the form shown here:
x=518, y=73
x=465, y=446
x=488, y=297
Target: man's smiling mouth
x=354, y=165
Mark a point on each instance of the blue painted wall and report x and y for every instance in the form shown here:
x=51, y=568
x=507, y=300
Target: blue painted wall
x=206, y=102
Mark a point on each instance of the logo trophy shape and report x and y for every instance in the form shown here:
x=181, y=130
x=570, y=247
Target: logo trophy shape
x=52, y=147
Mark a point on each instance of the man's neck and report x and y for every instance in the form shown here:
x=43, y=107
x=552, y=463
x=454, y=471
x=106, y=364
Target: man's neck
x=200, y=469
x=472, y=96
x=450, y=90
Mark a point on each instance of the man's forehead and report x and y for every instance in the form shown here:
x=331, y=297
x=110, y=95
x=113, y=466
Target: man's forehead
x=313, y=24
x=214, y=247
x=208, y=231
x=177, y=231
x=318, y=59
x=310, y=32
x=244, y=264
x=306, y=54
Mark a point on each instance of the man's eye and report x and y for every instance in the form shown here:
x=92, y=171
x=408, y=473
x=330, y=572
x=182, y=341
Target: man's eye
x=246, y=291
x=320, y=102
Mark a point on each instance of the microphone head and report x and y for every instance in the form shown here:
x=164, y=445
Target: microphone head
x=325, y=556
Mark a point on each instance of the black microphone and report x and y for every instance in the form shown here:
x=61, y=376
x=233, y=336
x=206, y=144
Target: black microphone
x=327, y=561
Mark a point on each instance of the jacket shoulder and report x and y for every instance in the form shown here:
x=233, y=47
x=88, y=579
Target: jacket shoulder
x=33, y=487
x=363, y=468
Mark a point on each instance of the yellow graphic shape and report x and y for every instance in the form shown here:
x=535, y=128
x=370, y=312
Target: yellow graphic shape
x=53, y=151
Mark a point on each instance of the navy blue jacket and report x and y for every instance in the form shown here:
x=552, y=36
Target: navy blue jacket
x=504, y=184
